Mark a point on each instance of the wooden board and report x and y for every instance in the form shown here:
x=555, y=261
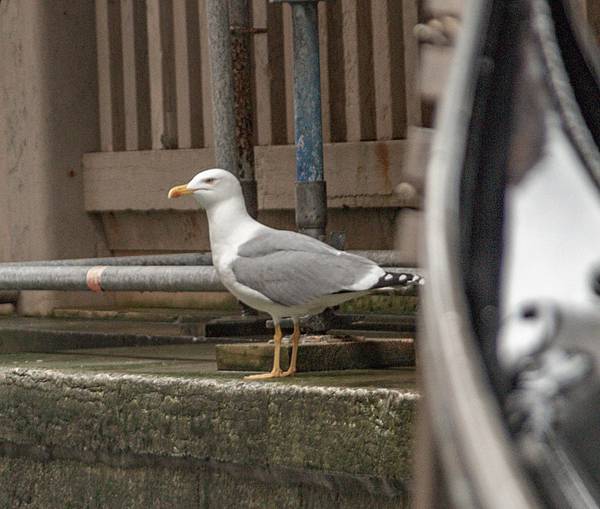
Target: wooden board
x=358, y=175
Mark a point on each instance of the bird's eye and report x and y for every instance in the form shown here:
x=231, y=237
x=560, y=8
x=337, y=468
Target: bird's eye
x=210, y=180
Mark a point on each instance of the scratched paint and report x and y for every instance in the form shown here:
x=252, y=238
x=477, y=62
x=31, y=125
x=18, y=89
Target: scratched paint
x=307, y=93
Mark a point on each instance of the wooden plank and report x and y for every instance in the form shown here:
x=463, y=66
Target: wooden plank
x=373, y=167
x=155, y=62
x=360, y=123
x=388, y=70
x=410, y=18
x=335, y=72
x=182, y=77
x=322, y=356
x=153, y=232
x=207, y=123
x=108, y=182
x=324, y=68
x=195, y=74
x=129, y=75
x=288, y=65
x=262, y=75
x=116, y=74
x=104, y=76
x=142, y=76
x=156, y=230
x=278, y=124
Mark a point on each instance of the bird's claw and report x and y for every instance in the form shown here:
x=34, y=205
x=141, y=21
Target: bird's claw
x=276, y=373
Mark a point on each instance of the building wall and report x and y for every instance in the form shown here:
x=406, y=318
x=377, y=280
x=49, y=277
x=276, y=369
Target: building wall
x=78, y=77
x=156, y=117
x=48, y=100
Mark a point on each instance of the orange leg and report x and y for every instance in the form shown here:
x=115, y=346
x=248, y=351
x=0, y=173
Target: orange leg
x=295, y=341
x=276, y=371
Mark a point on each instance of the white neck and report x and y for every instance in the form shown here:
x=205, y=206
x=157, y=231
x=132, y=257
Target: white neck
x=229, y=224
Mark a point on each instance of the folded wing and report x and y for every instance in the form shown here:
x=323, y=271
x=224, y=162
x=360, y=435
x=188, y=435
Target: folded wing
x=293, y=269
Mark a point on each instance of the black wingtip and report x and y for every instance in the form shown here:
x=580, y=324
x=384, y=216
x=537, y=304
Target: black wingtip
x=405, y=279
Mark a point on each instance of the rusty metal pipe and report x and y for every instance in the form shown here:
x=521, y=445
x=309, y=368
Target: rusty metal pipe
x=219, y=49
x=241, y=33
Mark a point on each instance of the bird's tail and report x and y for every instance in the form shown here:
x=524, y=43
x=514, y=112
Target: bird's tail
x=398, y=279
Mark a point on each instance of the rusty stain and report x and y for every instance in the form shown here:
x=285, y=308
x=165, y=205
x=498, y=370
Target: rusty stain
x=242, y=93
x=71, y=173
x=382, y=153
x=247, y=30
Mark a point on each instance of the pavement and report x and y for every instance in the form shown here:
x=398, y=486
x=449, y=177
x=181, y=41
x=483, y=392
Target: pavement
x=156, y=425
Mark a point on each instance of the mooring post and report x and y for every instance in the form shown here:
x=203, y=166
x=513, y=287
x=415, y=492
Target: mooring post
x=311, y=195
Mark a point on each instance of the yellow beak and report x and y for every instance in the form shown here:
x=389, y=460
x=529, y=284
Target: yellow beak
x=177, y=191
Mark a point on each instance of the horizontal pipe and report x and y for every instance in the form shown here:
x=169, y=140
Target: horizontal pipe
x=385, y=258
x=107, y=278
x=144, y=260
x=110, y=278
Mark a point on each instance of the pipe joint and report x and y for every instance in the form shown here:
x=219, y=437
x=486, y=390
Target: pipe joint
x=311, y=207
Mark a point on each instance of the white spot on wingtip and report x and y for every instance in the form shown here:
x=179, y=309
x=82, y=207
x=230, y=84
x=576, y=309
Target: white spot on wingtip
x=388, y=277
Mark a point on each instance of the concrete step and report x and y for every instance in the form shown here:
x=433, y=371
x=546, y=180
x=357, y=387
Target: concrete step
x=158, y=426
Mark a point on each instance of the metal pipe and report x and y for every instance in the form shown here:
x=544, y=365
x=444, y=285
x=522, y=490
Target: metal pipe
x=106, y=278
x=219, y=42
x=241, y=33
x=384, y=258
x=144, y=260
x=311, y=194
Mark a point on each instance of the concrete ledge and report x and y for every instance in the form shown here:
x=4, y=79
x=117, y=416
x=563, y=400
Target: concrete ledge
x=322, y=437
x=60, y=483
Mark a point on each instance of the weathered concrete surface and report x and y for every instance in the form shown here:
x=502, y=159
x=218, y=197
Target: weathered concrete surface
x=108, y=439
x=355, y=431
x=321, y=356
x=65, y=483
x=50, y=335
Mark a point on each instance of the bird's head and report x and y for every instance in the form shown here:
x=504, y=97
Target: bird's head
x=210, y=187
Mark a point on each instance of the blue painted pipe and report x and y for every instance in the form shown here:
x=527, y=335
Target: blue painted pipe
x=307, y=93
x=311, y=194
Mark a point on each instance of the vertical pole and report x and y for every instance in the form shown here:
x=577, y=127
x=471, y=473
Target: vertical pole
x=219, y=49
x=311, y=194
x=241, y=33
x=231, y=110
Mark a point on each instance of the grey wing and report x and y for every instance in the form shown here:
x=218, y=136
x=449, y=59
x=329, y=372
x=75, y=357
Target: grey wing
x=302, y=271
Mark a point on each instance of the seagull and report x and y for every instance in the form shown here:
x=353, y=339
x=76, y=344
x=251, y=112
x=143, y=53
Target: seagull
x=283, y=273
